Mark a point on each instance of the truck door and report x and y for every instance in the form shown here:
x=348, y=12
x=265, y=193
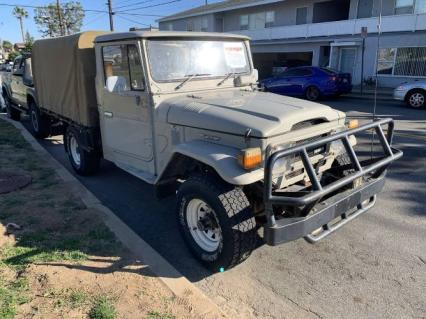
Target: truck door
x=17, y=85
x=124, y=110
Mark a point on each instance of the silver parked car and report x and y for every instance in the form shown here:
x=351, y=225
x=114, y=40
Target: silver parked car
x=413, y=93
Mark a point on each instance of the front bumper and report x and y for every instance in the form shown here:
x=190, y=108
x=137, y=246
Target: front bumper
x=399, y=95
x=324, y=204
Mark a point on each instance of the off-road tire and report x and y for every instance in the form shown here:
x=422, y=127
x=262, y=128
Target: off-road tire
x=40, y=123
x=89, y=161
x=233, y=213
x=416, y=99
x=312, y=93
x=12, y=113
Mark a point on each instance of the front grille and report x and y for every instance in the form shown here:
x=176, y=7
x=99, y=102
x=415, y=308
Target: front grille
x=316, y=151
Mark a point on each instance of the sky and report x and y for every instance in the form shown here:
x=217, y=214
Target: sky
x=10, y=30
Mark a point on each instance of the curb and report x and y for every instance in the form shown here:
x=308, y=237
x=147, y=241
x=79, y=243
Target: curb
x=175, y=281
x=369, y=97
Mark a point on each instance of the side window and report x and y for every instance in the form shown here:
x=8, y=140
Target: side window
x=136, y=71
x=122, y=68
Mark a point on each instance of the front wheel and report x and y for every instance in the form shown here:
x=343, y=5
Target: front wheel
x=416, y=99
x=82, y=161
x=40, y=125
x=216, y=221
x=12, y=113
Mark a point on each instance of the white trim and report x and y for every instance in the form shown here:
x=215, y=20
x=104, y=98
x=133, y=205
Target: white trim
x=222, y=9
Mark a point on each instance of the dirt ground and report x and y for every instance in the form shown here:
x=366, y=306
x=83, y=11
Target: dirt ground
x=63, y=262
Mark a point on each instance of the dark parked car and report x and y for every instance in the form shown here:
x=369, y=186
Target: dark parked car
x=309, y=82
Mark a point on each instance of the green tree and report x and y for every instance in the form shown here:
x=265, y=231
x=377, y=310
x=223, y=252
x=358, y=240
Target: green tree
x=48, y=19
x=7, y=45
x=13, y=55
x=29, y=41
x=20, y=14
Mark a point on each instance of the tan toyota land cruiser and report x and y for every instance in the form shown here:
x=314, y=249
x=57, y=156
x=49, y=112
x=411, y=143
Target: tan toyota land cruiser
x=180, y=110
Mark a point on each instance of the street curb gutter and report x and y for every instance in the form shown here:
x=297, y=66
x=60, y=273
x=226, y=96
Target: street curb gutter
x=175, y=281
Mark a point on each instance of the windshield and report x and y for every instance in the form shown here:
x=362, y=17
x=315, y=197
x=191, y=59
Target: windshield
x=178, y=59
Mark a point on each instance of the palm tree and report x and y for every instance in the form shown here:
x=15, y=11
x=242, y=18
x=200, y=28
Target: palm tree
x=20, y=14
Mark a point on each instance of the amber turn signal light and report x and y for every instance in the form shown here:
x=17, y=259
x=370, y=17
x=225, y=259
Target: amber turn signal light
x=250, y=158
x=353, y=124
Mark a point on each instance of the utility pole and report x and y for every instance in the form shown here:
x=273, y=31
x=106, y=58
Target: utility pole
x=61, y=25
x=111, y=22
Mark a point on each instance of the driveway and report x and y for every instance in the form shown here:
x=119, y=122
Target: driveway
x=375, y=267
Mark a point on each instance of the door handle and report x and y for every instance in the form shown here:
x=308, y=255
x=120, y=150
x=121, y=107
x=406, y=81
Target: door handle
x=108, y=114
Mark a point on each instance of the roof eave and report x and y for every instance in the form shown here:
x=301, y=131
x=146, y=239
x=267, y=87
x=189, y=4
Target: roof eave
x=200, y=13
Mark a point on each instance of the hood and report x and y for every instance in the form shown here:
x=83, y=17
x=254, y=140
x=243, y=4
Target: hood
x=234, y=112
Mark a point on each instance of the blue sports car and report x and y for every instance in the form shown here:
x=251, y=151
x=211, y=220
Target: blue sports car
x=309, y=82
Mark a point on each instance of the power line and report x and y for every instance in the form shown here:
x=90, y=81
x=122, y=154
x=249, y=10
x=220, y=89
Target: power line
x=134, y=4
x=96, y=18
x=85, y=10
x=150, y=6
x=40, y=7
x=141, y=14
x=133, y=21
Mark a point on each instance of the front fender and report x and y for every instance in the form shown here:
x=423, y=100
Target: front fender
x=30, y=92
x=5, y=88
x=223, y=159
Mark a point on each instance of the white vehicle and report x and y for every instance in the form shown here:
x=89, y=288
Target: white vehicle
x=180, y=110
x=412, y=93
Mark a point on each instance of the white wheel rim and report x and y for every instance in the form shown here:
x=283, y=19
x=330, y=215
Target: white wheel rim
x=75, y=153
x=417, y=99
x=208, y=238
x=34, y=120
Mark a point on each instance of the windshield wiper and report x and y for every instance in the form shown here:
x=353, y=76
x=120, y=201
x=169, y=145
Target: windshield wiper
x=227, y=76
x=189, y=77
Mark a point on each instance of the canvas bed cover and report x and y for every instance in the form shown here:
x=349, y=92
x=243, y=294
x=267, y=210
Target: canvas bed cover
x=64, y=71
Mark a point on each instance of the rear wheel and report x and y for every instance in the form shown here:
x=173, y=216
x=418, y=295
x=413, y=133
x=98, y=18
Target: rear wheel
x=416, y=99
x=216, y=221
x=82, y=161
x=312, y=93
x=40, y=124
x=12, y=113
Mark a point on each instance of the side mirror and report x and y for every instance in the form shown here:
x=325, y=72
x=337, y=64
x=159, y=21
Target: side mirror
x=256, y=74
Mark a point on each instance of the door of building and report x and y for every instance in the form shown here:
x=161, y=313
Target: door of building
x=347, y=60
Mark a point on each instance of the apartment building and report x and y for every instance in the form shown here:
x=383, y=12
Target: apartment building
x=330, y=33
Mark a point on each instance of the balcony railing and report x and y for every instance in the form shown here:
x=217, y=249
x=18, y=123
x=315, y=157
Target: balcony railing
x=397, y=23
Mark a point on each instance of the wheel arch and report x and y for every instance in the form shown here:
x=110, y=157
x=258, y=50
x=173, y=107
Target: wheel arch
x=201, y=156
x=5, y=90
x=412, y=91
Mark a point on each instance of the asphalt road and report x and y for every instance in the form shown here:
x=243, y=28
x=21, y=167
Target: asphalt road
x=375, y=267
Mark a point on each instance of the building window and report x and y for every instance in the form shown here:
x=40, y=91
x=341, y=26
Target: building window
x=269, y=19
x=302, y=15
x=244, y=22
x=402, y=62
x=404, y=6
x=420, y=6
x=189, y=26
x=386, y=61
x=365, y=9
x=204, y=24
